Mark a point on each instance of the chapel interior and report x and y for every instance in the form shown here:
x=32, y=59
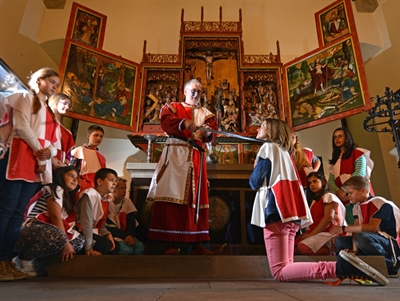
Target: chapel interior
x=248, y=43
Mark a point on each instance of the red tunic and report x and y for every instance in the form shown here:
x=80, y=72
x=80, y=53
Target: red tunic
x=65, y=142
x=317, y=209
x=174, y=219
x=347, y=168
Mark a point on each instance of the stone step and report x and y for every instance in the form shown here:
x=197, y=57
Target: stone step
x=178, y=266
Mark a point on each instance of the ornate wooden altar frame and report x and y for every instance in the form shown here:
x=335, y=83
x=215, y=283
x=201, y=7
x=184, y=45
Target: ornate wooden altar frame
x=221, y=42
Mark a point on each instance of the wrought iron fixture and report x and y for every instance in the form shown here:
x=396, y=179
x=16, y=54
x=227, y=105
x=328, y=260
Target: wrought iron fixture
x=386, y=111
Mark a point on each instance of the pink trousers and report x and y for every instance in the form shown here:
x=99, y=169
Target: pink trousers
x=279, y=244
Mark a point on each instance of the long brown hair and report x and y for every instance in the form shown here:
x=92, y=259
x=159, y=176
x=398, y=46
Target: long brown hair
x=58, y=180
x=280, y=133
x=42, y=73
x=299, y=156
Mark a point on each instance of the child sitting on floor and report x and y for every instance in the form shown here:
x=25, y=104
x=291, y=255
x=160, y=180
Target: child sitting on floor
x=327, y=211
x=91, y=212
x=121, y=221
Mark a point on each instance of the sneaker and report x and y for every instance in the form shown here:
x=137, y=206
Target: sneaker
x=18, y=275
x=5, y=275
x=28, y=268
x=350, y=266
x=25, y=266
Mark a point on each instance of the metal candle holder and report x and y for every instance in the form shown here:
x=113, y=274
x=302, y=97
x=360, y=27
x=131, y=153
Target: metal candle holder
x=386, y=111
x=149, y=138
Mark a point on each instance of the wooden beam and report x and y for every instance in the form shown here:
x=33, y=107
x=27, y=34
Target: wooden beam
x=54, y=4
x=366, y=6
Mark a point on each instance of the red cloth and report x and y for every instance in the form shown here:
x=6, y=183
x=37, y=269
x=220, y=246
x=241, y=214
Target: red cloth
x=365, y=211
x=67, y=142
x=102, y=221
x=176, y=222
x=22, y=163
x=318, y=212
x=347, y=166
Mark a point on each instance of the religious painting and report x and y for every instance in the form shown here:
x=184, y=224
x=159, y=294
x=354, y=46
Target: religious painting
x=250, y=152
x=161, y=89
x=334, y=22
x=227, y=153
x=101, y=86
x=324, y=85
x=261, y=99
x=86, y=26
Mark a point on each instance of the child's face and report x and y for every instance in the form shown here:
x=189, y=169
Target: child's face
x=293, y=138
x=71, y=180
x=49, y=85
x=315, y=184
x=107, y=185
x=120, y=190
x=356, y=196
x=263, y=132
x=63, y=106
x=95, y=138
x=339, y=138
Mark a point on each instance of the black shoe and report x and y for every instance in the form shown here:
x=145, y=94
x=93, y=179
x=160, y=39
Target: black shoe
x=394, y=274
x=350, y=266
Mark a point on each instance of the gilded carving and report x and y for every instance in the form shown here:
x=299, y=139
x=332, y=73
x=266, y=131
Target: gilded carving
x=166, y=76
x=260, y=77
x=231, y=44
x=162, y=58
x=260, y=59
x=211, y=26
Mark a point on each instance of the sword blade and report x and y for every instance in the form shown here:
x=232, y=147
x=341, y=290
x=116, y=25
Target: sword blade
x=231, y=135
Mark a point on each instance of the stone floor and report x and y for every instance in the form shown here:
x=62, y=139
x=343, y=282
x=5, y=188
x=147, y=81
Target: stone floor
x=163, y=289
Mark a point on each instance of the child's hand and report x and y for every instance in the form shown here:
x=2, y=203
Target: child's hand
x=336, y=230
x=130, y=240
x=43, y=154
x=92, y=252
x=67, y=252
